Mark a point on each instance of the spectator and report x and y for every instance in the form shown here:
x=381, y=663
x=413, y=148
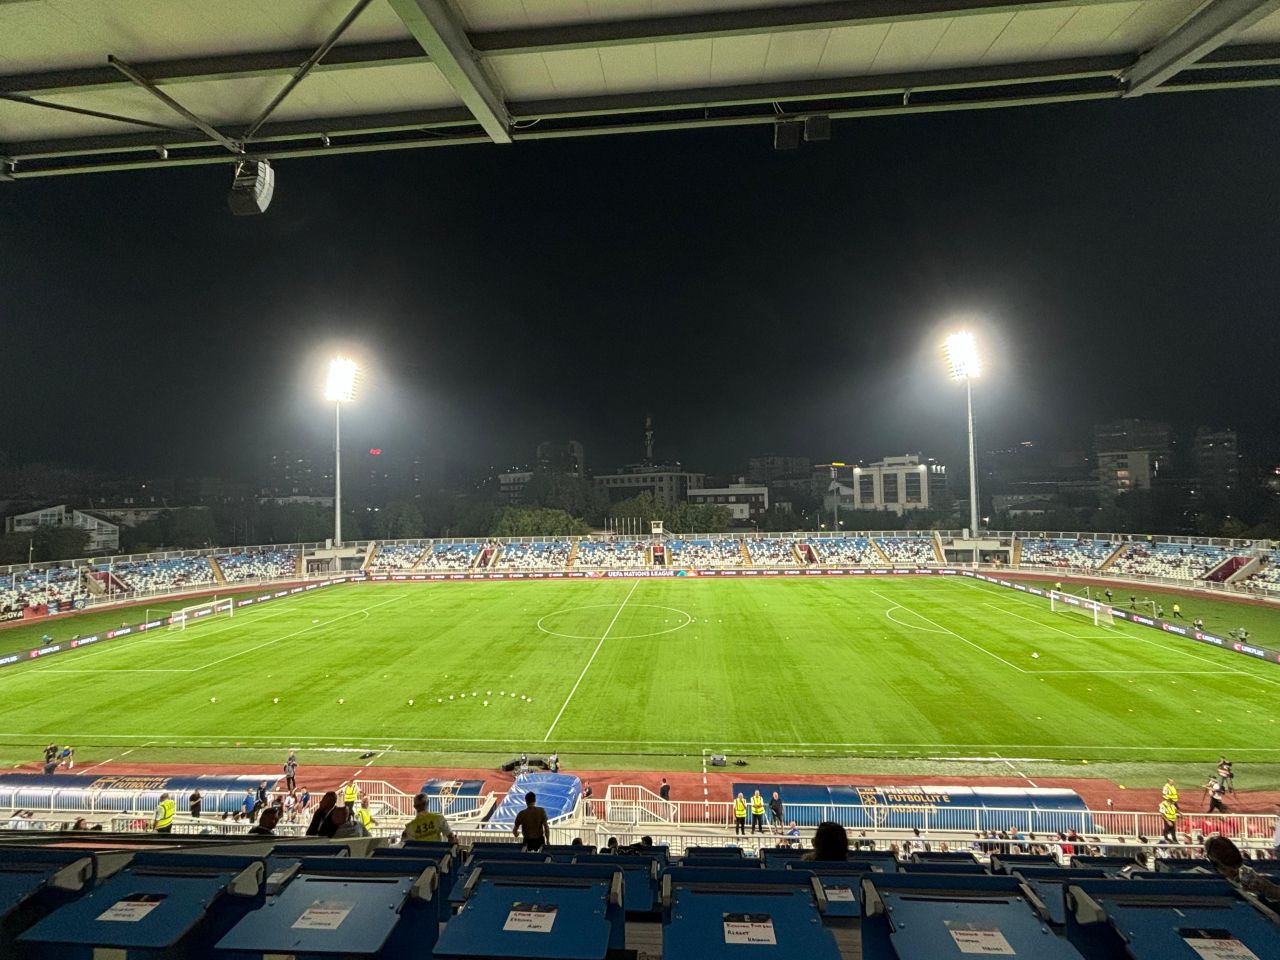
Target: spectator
x=664, y=791
x=532, y=820
x=291, y=771
x=321, y=824
x=344, y=826
x=830, y=843
x=776, y=812
x=426, y=825
x=246, y=805
x=267, y=823
x=1228, y=861
x=194, y=803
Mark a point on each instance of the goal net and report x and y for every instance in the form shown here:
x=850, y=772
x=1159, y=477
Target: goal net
x=1099, y=613
x=199, y=612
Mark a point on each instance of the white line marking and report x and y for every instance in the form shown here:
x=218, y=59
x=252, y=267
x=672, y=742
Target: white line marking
x=604, y=636
x=910, y=626
x=1010, y=765
x=976, y=646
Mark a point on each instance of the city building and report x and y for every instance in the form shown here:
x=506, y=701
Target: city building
x=897, y=484
x=292, y=473
x=567, y=457
x=104, y=536
x=772, y=467
x=669, y=483
x=1120, y=471
x=1217, y=460
x=1150, y=436
x=512, y=484
x=744, y=501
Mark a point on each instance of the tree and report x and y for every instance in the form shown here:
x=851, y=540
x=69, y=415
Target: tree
x=537, y=522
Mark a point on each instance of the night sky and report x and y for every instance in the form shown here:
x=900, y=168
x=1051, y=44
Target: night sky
x=1118, y=259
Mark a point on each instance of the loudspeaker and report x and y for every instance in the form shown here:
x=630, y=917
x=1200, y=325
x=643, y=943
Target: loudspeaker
x=786, y=136
x=817, y=128
x=252, y=188
x=718, y=760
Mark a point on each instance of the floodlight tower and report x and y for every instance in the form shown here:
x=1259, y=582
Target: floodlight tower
x=340, y=388
x=962, y=355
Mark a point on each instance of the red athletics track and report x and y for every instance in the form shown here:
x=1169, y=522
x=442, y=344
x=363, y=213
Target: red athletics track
x=690, y=786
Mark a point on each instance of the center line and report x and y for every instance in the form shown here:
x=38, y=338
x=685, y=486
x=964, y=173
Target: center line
x=603, y=637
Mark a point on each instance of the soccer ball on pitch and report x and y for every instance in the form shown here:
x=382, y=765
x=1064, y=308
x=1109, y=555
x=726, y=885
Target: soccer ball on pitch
x=213, y=699
x=275, y=699
x=315, y=621
x=1035, y=656
x=342, y=700
x=411, y=703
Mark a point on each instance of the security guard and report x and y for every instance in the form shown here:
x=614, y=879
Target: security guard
x=366, y=818
x=1169, y=792
x=739, y=815
x=349, y=794
x=165, y=810
x=427, y=825
x=1169, y=813
x=757, y=813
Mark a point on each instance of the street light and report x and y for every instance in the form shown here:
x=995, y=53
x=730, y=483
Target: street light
x=962, y=355
x=340, y=388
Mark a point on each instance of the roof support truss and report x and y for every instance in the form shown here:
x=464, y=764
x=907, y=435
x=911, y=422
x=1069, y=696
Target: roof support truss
x=1211, y=27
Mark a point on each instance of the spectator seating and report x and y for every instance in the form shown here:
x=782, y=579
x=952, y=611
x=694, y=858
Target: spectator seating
x=717, y=552
x=259, y=565
x=1082, y=554
x=1268, y=577
x=773, y=552
x=612, y=554
x=845, y=551
x=1179, y=561
x=541, y=555
x=397, y=556
x=451, y=556
x=908, y=549
x=149, y=575
x=30, y=588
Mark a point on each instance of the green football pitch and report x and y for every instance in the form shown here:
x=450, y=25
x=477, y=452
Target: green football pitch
x=905, y=667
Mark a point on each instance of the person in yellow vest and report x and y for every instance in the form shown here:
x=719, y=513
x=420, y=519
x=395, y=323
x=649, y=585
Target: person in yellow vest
x=1169, y=792
x=165, y=810
x=1169, y=814
x=365, y=817
x=740, y=815
x=427, y=826
x=349, y=796
x=757, y=813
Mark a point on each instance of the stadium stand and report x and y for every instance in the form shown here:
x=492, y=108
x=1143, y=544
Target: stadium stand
x=1179, y=561
x=541, y=555
x=259, y=565
x=773, y=552
x=148, y=575
x=451, y=556
x=854, y=551
x=33, y=588
x=718, y=552
x=1081, y=554
x=397, y=556
x=1268, y=577
x=907, y=549
x=612, y=554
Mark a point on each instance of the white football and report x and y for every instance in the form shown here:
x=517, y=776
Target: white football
x=1035, y=656
x=275, y=699
x=411, y=703
x=342, y=700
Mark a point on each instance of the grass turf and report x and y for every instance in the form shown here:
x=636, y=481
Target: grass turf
x=648, y=671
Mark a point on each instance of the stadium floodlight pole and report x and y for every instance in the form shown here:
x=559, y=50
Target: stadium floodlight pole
x=962, y=355
x=339, y=389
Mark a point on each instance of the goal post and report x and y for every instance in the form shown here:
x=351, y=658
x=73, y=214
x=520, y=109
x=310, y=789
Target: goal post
x=1099, y=613
x=180, y=619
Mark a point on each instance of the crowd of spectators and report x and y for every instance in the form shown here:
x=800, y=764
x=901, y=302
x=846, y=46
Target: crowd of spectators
x=397, y=556
x=145, y=576
x=33, y=588
x=773, y=552
x=851, y=551
x=1268, y=577
x=259, y=565
x=1179, y=561
x=718, y=552
x=451, y=556
x=612, y=554
x=542, y=555
x=908, y=549
x=1084, y=553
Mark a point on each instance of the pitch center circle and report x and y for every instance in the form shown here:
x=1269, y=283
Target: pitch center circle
x=674, y=620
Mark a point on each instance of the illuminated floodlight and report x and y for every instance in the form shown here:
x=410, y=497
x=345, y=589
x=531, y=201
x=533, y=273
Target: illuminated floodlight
x=341, y=384
x=962, y=355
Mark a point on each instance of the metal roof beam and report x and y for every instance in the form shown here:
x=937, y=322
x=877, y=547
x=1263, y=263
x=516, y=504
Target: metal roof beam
x=233, y=66
x=437, y=30
x=728, y=23
x=1211, y=27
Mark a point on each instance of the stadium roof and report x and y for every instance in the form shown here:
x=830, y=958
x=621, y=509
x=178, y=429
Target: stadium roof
x=87, y=85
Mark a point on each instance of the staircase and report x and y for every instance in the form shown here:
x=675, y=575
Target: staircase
x=875, y=545
x=218, y=575
x=426, y=552
x=746, y=554
x=938, y=555
x=798, y=554
x=573, y=554
x=1232, y=569
x=1115, y=555
x=97, y=587
x=487, y=557
x=368, y=557
x=1017, y=552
